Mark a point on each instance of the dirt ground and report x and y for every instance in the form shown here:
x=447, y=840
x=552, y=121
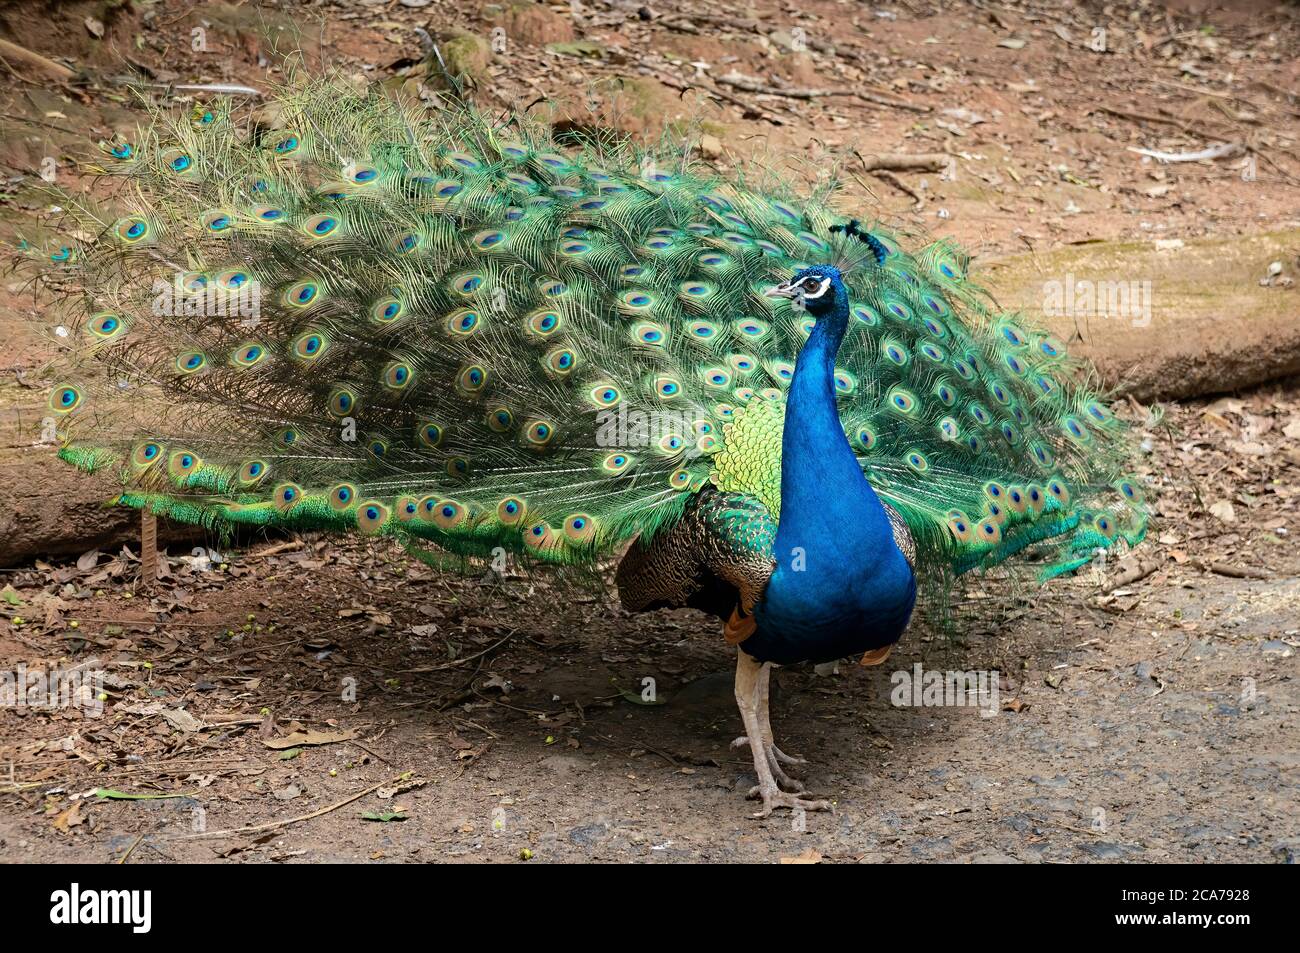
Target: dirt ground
x=300, y=700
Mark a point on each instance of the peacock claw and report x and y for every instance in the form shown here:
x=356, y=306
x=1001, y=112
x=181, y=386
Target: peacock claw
x=773, y=751
x=774, y=797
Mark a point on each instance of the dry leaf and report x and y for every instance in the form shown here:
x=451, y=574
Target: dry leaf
x=303, y=738
x=810, y=856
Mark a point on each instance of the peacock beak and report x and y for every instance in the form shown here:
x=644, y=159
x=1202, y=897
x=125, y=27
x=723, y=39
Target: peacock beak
x=787, y=290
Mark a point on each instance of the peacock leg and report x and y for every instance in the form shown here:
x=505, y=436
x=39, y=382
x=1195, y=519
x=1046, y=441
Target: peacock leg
x=751, y=699
x=775, y=756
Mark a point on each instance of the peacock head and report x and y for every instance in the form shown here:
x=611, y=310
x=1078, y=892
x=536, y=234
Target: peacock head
x=818, y=289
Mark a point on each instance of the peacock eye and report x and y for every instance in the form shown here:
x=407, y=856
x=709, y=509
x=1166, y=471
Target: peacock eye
x=810, y=283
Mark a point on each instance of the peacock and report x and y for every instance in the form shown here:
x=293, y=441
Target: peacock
x=482, y=336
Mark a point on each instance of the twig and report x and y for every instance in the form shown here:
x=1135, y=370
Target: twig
x=286, y=547
x=908, y=162
x=131, y=850
x=1132, y=574
x=1234, y=572
x=274, y=825
x=53, y=70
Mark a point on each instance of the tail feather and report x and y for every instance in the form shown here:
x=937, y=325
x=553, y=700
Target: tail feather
x=361, y=314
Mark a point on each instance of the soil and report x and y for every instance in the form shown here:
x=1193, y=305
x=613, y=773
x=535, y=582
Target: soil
x=299, y=700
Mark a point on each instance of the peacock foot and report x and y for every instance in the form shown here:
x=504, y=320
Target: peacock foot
x=775, y=758
x=775, y=787
x=773, y=797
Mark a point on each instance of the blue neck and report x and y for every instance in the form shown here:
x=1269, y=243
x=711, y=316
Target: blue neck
x=827, y=507
x=840, y=585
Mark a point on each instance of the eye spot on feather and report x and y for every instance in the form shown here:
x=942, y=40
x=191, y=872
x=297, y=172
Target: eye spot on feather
x=430, y=434
x=579, y=528
x=949, y=429
x=615, y=463
x=377, y=447
x=364, y=175
x=543, y=323
x=902, y=401
x=342, y=402
x=553, y=288
x=666, y=387
x=472, y=379
x=286, y=143
x=979, y=413
x=408, y=508
x=605, y=394
x=177, y=161
x=1050, y=347
x=963, y=369
x=253, y=471
x=320, y=226
x=960, y=526
x=975, y=443
x=990, y=532
x=182, y=464
x=397, y=375
x=865, y=436
x=896, y=354
x=286, y=438
x=865, y=315
x=65, y=399
x=371, y=517
x=405, y=243
x=247, y=355
x=1104, y=525
x=750, y=328
x=463, y=323
x=714, y=260
x=671, y=444
x=489, y=239
x=917, y=461
x=702, y=330
x=286, y=496
x=649, y=334
x=540, y=433
x=309, y=346
x=1059, y=492
x=146, y=455
x=1097, y=412
x=1009, y=433
x=934, y=354
x=1014, y=364
x=105, y=326
x=500, y=419
x=560, y=361
x=448, y=514
x=301, y=294
x=680, y=479
x=511, y=510
x=467, y=284
x=268, y=213
x=574, y=249
x=131, y=231
x=1074, y=430
x=845, y=383
x=947, y=396
x=342, y=496
x=637, y=300
x=716, y=377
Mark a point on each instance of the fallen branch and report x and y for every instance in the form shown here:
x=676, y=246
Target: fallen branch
x=287, y=822
x=1234, y=572
x=1225, y=151
x=22, y=55
x=286, y=547
x=1132, y=574
x=905, y=162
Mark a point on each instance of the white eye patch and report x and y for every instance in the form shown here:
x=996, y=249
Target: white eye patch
x=812, y=287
